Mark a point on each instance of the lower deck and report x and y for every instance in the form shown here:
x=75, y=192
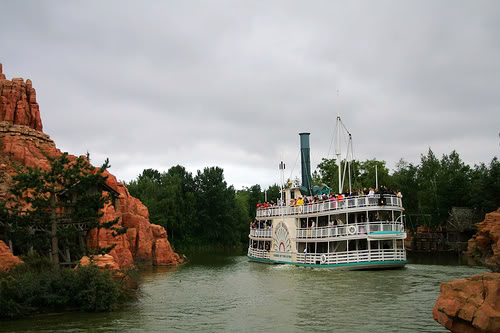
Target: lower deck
x=365, y=265
x=354, y=258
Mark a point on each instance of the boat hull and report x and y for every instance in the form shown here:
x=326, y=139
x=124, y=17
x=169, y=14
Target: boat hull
x=347, y=266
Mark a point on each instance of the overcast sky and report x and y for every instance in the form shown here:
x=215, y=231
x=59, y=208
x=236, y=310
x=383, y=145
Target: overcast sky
x=152, y=84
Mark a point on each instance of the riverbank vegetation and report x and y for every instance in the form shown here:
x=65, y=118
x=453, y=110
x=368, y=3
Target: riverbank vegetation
x=35, y=287
x=203, y=210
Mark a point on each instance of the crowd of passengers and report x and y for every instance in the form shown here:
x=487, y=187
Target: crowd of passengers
x=383, y=190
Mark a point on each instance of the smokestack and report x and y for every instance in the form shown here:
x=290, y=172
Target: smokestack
x=305, y=158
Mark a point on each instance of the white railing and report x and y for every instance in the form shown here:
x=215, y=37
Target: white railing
x=330, y=205
x=352, y=229
x=261, y=233
x=352, y=257
x=256, y=253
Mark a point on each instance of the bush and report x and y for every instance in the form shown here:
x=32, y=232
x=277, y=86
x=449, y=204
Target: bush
x=36, y=287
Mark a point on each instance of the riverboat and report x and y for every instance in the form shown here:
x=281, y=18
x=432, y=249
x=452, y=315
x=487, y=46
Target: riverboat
x=351, y=232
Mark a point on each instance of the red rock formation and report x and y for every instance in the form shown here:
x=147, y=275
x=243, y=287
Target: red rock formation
x=103, y=261
x=470, y=304
x=18, y=103
x=23, y=143
x=485, y=244
x=7, y=259
x=164, y=255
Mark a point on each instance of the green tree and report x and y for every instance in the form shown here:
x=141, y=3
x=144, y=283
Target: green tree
x=52, y=200
x=216, y=207
x=327, y=173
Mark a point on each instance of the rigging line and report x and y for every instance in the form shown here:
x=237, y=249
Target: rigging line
x=331, y=142
x=342, y=123
x=346, y=143
x=296, y=159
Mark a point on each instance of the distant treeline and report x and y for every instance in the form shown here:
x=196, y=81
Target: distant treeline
x=202, y=210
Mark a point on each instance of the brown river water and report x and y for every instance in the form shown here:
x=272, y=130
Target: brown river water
x=226, y=293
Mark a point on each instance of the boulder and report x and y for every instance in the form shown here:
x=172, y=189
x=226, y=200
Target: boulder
x=103, y=261
x=7, y=259
x=470, y=304
x=164, y=255
x=485, y=244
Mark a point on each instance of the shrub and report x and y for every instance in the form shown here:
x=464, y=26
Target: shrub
x=36, y=287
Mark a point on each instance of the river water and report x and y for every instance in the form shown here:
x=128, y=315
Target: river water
x=227, y=293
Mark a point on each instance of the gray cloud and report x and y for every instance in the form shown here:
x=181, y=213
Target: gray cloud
x=233, y=83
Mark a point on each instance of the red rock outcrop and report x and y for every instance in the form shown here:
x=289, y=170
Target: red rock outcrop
x=18, y=103
x=103, y=261
x=470, y=305
x=485, y=244
x=7, y=259
x=23, y=143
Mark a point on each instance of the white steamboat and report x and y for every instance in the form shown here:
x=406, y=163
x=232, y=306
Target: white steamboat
x=353, y=232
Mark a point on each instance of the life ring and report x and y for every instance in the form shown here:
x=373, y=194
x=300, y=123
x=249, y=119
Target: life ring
x=323, y=258
x=351, y=230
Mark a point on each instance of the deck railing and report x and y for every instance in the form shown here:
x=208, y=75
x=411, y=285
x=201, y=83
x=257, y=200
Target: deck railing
x=352, y=229
x=261, y=233
x=256, y=253
x=330, y=205
x=352, y=257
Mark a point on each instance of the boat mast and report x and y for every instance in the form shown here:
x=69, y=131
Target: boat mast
x=338, y=153
x=349, y=156
x=350, y=162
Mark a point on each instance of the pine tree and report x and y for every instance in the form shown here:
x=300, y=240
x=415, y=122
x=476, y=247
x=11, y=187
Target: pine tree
x=58, y=201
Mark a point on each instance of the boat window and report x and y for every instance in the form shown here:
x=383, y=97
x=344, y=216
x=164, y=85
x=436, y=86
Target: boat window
x=374, y=245
x=362, y=244
x=399, y=244
x=322, y=247
x=383, y=215
x=338, y=246
x=353, y=218
x=323, y=221
x=352, y=245
x=301, y=247
x=387, y=244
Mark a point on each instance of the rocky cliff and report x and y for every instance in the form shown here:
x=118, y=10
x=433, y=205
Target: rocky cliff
x=485, y=244
x=18, y=103
x=470, y=304
x=23, y=143
x=7, y=259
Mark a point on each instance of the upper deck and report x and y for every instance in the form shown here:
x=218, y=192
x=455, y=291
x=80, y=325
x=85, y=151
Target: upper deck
x=333, y=205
